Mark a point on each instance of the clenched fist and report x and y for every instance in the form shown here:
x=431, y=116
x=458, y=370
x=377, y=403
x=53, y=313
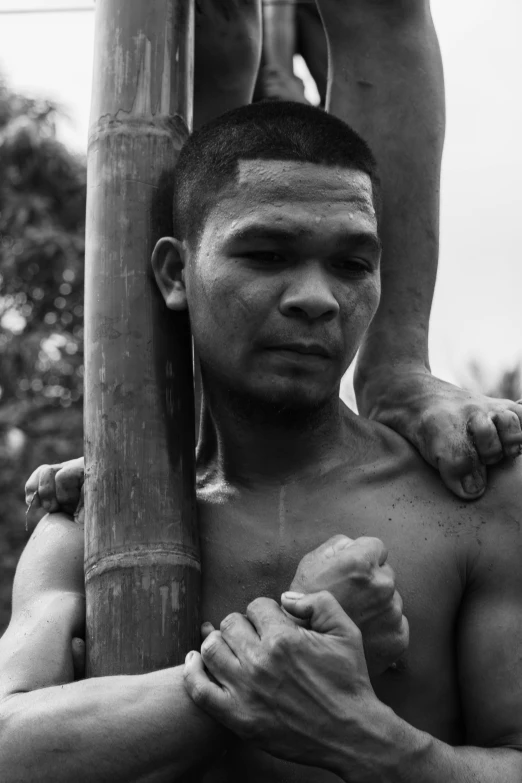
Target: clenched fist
x=356, y=574
x=57, y=487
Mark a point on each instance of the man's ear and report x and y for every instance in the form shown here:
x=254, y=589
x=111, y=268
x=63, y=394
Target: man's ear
x=168, y=263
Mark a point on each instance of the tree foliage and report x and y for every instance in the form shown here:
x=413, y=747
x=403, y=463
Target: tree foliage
x=42, y=229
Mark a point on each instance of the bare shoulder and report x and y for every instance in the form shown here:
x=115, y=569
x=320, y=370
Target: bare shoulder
x=505, y=487
x=477, y=527
x=52, y=561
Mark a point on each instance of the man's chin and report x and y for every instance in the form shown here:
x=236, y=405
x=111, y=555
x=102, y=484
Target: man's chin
x=295, y=400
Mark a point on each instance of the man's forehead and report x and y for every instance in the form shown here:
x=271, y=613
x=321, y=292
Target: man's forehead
x=299, y=181
x=301, y=193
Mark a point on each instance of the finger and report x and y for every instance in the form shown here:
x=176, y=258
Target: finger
x=47, y=486
x=264, y=613
x=31, y=488
x=239, y=634
x=323, y=611
x=463, y=474
x=219, y=658
x=485, y=437
x=207, y=695
x=509, y=431
x=206, y=630
x=32, y=500
x=69, y=481
x=334, y=545
x=400, y=643
x=39, y=488
x=373, y=549
x=78, y=656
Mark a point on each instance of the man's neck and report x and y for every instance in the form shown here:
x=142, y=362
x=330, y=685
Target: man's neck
x=251, y=444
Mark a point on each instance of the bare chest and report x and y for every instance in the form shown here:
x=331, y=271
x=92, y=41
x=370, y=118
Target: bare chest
x=251, y=547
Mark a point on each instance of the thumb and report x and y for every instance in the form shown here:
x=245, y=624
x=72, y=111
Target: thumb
x=322, y=610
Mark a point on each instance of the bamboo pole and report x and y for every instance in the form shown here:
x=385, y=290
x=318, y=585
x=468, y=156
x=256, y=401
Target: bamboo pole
x=141, y=544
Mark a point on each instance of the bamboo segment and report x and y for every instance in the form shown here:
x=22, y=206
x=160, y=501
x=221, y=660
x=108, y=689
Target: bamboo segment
x=142, y=567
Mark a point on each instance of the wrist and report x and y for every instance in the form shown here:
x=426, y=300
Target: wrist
x=386, y=748
x=389, y=345
x=380, y=375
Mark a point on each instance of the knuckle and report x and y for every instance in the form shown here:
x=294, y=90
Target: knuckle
x=507, y=420
x=229, y=621
x=362, y=569
x=339, y=541
x=46, y=478
x=433, y=421
x=371, y=549
x=396, y=609
x=256, y=604
x=278, y=643
x=210, y=646
x=32, y=482
x=369, y=543
x=385, y=586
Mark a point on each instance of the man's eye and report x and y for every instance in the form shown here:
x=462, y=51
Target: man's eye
x=352, y=266
x=265, y=257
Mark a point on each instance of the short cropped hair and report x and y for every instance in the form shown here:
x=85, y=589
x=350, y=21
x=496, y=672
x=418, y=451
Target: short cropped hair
x=268, y=130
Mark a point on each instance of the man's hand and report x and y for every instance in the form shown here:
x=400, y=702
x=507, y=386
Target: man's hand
x=356, y=574
x=456, y=431
x=57, y=488
x=299, y=694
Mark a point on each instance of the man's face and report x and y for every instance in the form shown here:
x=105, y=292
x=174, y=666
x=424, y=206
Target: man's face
x=285, y=281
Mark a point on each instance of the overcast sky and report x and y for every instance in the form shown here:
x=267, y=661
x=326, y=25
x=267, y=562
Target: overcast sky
x=477, y=312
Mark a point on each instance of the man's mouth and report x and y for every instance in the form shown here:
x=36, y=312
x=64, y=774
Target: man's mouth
x=305, y=348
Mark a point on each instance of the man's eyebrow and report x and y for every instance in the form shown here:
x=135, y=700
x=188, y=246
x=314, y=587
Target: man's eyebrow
x=351, y=239
x=260, y=231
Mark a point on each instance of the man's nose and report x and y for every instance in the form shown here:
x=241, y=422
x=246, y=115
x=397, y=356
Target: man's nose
x=309, y=297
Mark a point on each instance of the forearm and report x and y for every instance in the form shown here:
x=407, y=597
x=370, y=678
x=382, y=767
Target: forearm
x=128, y=728
x=395, y=752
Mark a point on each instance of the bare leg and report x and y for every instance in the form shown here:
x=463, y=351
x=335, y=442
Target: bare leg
x=276, y=78
x=386, y=81
x=227, y=56
x=311, y=44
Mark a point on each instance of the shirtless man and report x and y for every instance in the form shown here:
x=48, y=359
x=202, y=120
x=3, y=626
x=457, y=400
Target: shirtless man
x=278, y=263
x=269, y=497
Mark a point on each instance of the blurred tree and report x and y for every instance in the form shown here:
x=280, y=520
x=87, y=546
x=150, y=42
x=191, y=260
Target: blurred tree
x=42, y=217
